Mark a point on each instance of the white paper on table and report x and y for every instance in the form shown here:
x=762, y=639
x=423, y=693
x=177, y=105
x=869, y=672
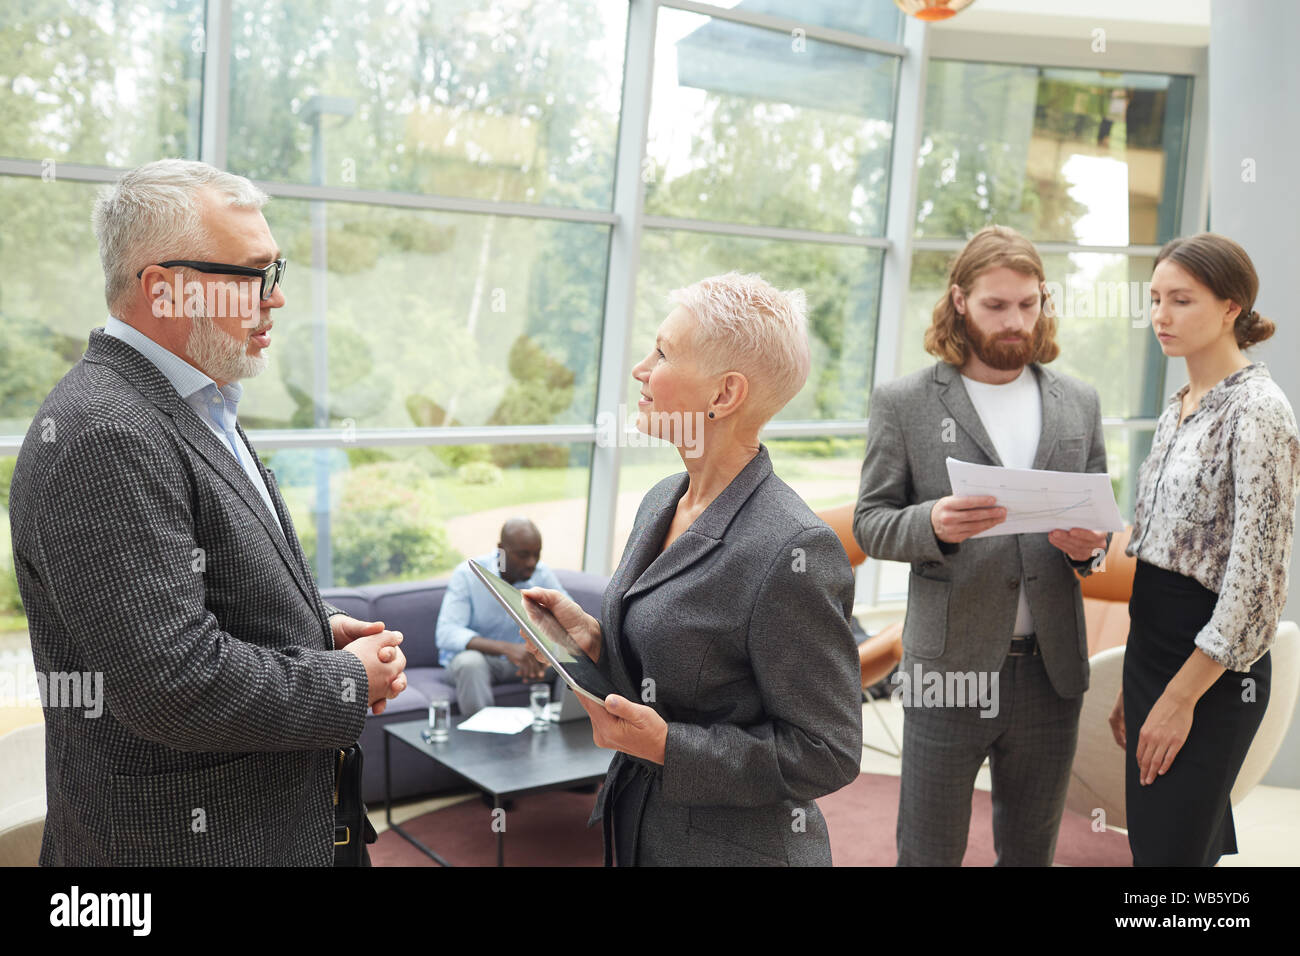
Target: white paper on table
x=498, y=720
x=1038, y=501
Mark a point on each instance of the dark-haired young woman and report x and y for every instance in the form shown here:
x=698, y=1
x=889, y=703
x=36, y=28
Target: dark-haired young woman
x=1212, y=535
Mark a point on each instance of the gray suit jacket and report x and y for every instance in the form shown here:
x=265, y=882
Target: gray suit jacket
x=961, y=600
x=754, y=668
x=145, y=554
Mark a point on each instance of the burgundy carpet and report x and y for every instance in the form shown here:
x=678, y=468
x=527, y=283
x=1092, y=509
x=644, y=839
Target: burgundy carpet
x=549, y=829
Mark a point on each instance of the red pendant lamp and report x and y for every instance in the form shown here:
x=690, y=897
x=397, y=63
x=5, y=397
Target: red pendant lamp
x=933, y=10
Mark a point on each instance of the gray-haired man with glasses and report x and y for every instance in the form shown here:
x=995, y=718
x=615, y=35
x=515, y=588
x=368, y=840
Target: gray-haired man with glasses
x=153, y=549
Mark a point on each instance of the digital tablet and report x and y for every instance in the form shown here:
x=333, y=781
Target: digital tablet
x=573, y=665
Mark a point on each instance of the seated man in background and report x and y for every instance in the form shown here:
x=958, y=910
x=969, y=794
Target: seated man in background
x=477, y=640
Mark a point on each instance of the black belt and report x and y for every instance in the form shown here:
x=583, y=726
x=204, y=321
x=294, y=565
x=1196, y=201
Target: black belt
x=1025, y=646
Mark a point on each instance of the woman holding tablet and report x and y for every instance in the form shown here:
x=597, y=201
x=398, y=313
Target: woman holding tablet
x=725, y=627
x=1212, y=535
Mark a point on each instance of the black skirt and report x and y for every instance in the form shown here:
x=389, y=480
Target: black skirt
x=1184, y=818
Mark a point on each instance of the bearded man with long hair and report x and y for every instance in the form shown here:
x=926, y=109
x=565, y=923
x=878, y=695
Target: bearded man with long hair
x=1001, y=612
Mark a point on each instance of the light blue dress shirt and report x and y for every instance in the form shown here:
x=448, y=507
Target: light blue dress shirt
x=469, y=610
x=216, y=405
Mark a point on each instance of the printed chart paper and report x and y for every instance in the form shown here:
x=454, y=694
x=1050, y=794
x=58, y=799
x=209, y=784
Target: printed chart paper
x=1039, y=501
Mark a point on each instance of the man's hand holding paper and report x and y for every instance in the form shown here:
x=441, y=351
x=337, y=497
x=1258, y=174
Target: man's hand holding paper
x=1079, y=543
x=958, y=517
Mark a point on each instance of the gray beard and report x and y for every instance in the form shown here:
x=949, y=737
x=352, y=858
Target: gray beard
x=219, y=355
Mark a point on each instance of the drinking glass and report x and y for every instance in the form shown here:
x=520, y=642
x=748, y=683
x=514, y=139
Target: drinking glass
x=539, y=698
x=439, y=728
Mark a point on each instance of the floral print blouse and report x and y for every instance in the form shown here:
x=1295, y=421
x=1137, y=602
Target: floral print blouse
x=1216, y=502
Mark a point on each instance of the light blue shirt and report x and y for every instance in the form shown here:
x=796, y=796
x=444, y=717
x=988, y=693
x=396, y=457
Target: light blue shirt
x=469, y=610
x=216, y=405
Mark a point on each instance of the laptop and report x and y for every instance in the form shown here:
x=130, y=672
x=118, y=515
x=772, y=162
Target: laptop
x=565, y=706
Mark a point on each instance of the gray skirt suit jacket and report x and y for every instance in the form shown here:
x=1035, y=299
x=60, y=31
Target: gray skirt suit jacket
x=738, y=636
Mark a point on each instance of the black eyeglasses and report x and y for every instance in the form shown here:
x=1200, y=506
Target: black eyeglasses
x=271, y=275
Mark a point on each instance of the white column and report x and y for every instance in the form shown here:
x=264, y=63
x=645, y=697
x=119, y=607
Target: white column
x=215, y=109
x=620, y=289
x=1255, y=199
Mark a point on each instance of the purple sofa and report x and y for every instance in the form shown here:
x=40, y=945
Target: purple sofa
x=412, y=608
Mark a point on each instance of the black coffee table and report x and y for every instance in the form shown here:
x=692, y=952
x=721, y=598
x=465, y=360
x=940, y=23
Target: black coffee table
x=504, y=765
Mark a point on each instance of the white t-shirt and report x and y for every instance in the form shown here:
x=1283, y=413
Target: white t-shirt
x=1012, y=414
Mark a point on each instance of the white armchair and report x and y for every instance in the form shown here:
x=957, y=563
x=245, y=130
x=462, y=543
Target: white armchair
x=1097, y=777
x=22, y=795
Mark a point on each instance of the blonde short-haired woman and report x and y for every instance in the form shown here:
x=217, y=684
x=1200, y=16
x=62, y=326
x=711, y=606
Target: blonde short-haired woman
x=725, y=626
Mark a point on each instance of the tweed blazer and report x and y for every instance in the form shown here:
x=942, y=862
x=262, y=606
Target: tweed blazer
x=145, y=554
x=962, y=599
x=746, y=639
